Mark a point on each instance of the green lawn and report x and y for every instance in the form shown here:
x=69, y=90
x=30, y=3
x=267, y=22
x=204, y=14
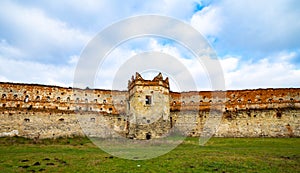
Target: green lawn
x=218, y=155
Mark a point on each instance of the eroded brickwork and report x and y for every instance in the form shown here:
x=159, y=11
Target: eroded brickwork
x=147, y=110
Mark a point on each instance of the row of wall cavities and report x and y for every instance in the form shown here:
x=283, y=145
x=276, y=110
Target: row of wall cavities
x=240, y=99
x=52, y=97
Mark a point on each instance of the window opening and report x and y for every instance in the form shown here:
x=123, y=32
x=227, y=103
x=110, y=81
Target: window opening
x=148, y=100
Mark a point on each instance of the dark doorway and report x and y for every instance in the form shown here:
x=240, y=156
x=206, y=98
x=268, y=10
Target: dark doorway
x=148, y=135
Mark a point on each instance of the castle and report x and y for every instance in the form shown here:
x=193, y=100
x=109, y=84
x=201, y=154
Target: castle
x=148, y=109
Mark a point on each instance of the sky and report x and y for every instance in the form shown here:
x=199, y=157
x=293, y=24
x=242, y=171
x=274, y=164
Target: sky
x=256, y=42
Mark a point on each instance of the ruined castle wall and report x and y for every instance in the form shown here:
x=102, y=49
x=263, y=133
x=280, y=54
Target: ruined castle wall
x=232, y=99
x=250, y=123
x=49, y=111
x=59, y=98
x=245, y=113
x=257, y=123
x=53, y=124
x=34, y=124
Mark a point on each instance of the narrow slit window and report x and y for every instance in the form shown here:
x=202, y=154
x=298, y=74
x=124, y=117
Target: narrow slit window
x=148, y=100
x=26, y=99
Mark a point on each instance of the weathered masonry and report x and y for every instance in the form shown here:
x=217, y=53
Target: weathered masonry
x=147, y=110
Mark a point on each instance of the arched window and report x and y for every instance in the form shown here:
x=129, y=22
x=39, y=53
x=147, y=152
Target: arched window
x=3, y=96
x=26, y=99
x=48, y=99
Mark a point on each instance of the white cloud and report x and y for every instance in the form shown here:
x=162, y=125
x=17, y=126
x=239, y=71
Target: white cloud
x=41, y=43
x=262, y=36
x=73, y=59
x=251, y=27
x=37, y=35
x=269, y=72
x=229, y=63
x=4, y=79
x=8, y=50
x=121, y=55
x=34, y=72
x=208, y=21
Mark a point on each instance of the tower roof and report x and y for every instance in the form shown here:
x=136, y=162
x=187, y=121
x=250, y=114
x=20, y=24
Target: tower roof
x=156, y=81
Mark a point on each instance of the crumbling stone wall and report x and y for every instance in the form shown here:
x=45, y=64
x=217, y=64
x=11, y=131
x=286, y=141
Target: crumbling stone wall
x=40, y=111
x=53, y=124
x=30, y=96
x=242, y=123
x=245, y=113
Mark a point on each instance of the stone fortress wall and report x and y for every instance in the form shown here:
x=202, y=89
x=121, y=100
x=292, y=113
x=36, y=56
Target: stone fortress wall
x=245, y=113
x=40, y=111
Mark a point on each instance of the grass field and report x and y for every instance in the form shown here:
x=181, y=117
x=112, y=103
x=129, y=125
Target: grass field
x=218, y=155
